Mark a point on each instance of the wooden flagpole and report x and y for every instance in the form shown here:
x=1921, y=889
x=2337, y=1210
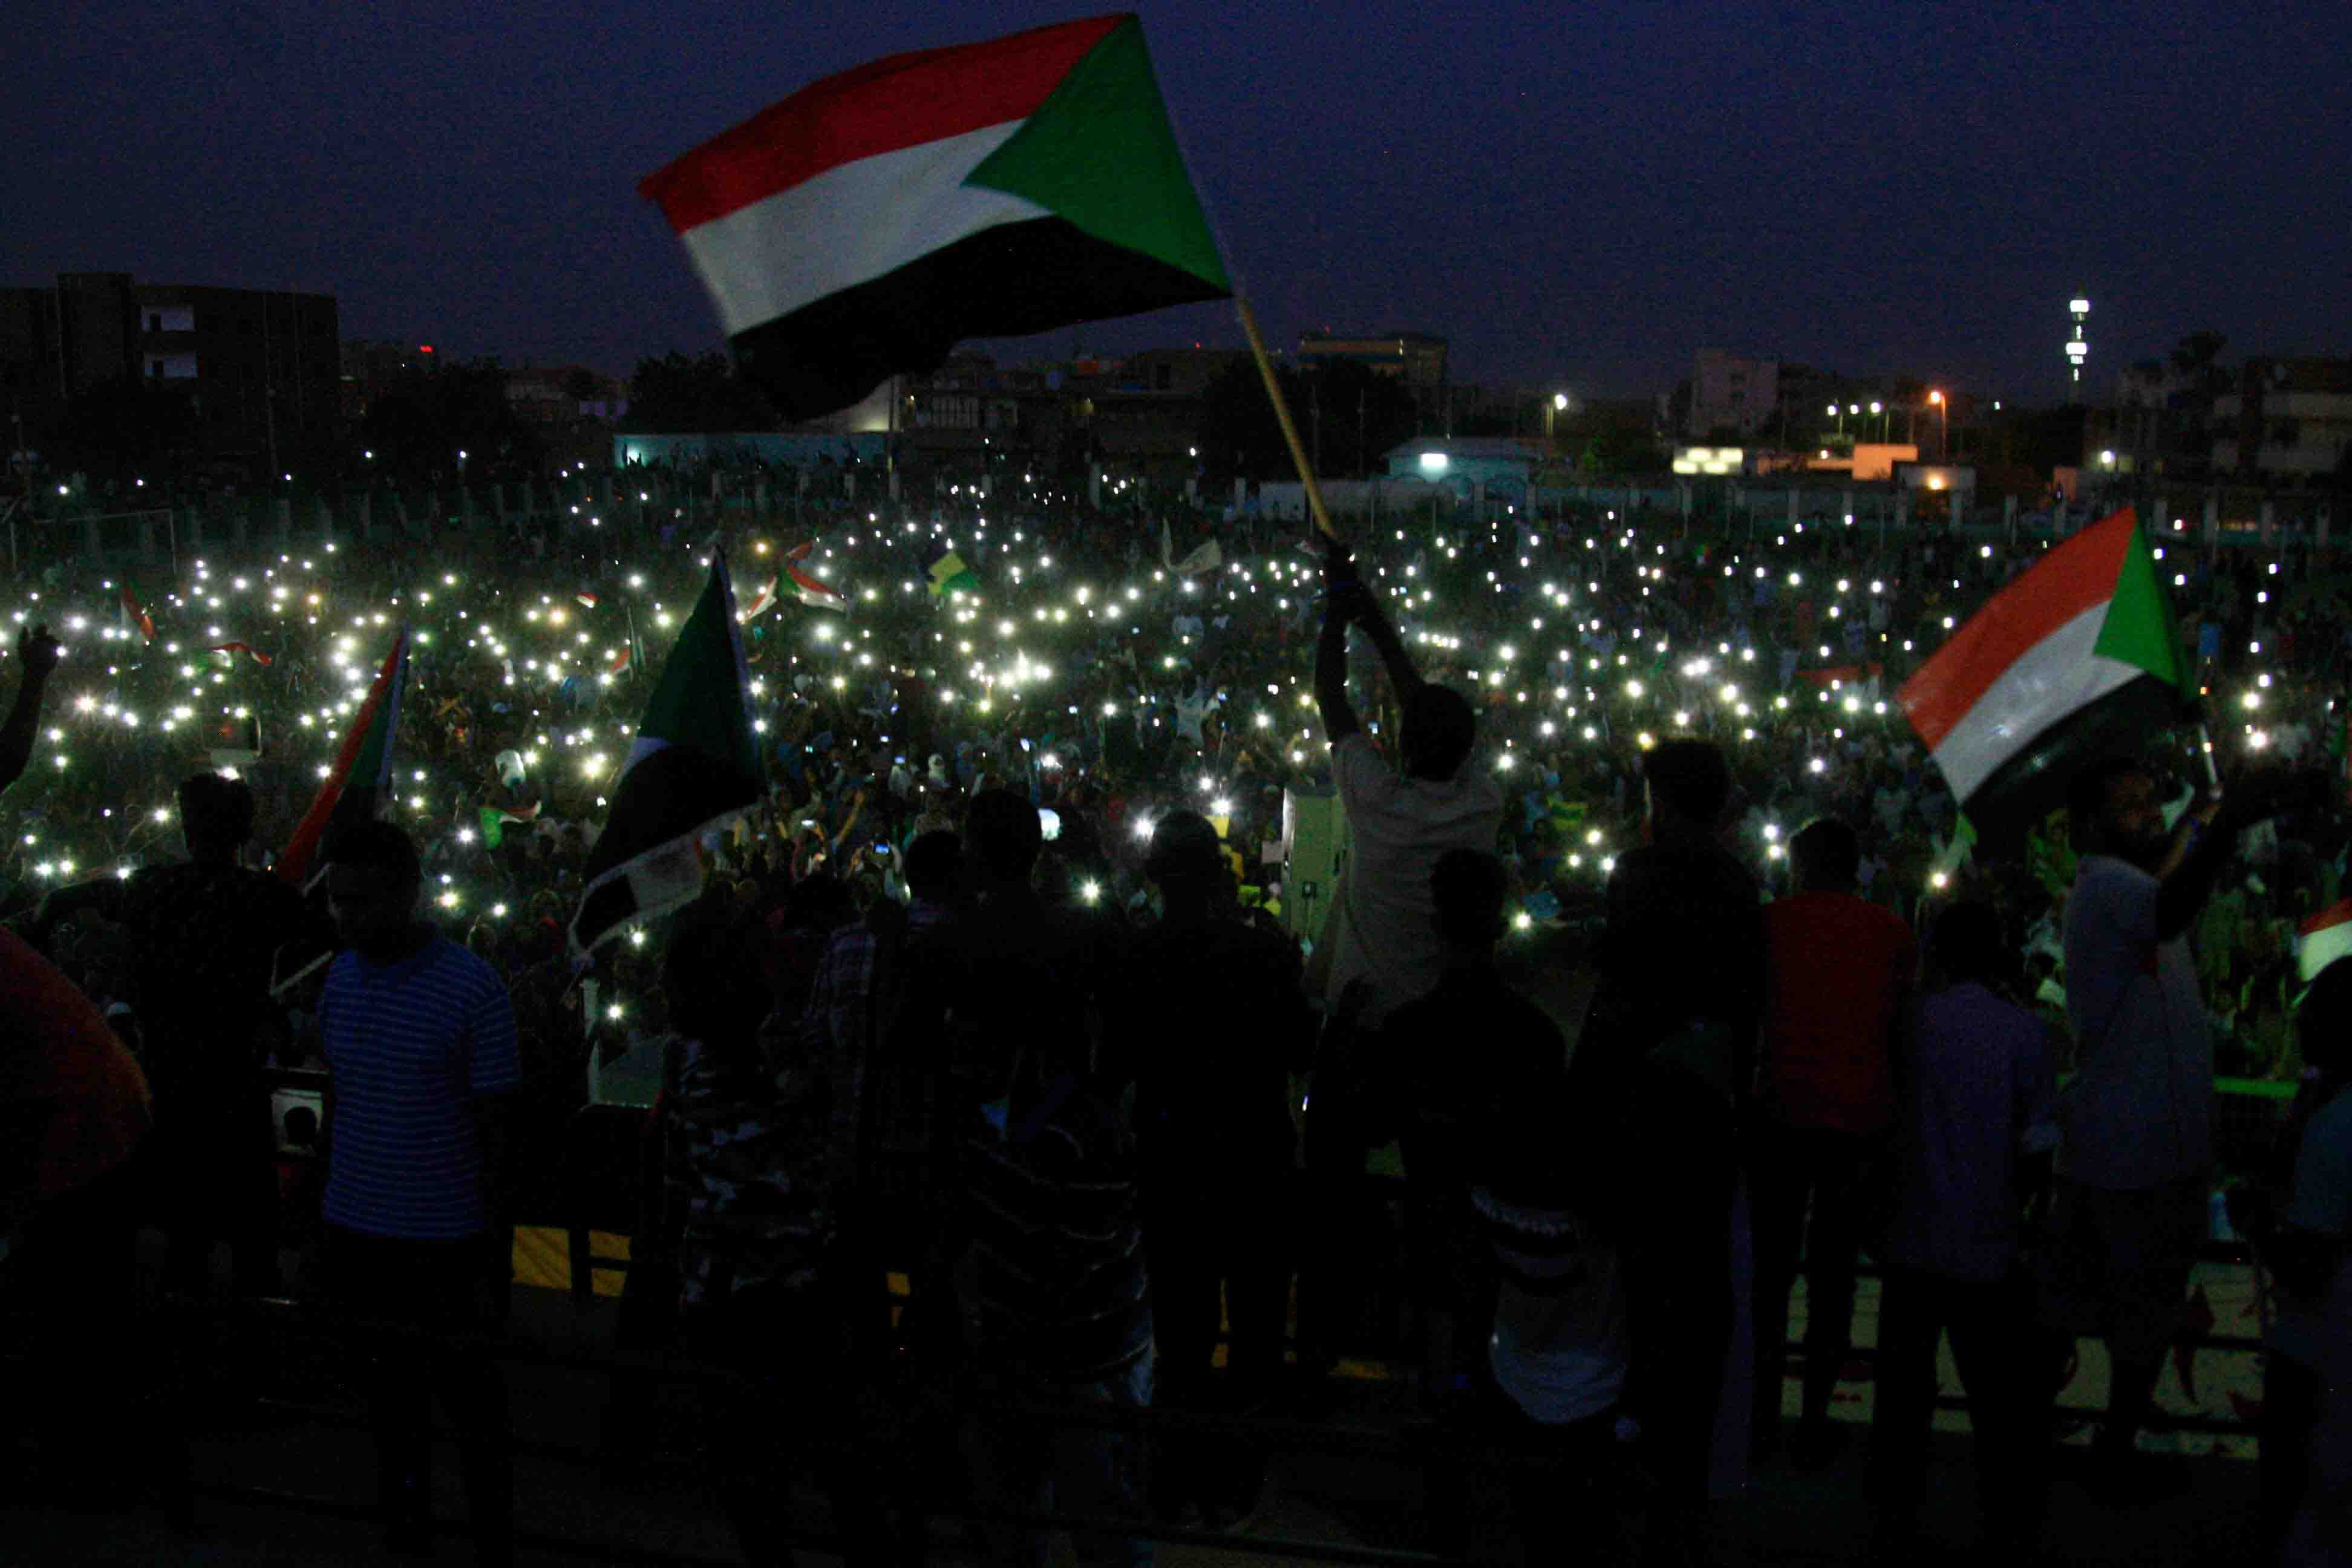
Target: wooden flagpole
x=1282, y=413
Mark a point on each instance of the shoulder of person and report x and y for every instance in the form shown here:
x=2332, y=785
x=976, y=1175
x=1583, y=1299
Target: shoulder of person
x=2109, y=874
x=463, y=961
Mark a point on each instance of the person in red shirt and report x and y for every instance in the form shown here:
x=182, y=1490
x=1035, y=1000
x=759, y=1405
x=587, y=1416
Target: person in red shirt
x=1838, y=973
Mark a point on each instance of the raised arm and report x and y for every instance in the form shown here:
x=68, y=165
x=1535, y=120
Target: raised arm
x=2203, y=841
x=1340, y=720
x=36, y=658
x=1403, y=677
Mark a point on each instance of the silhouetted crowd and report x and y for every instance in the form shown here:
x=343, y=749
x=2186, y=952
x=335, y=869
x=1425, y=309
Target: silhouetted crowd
x=988, y=1074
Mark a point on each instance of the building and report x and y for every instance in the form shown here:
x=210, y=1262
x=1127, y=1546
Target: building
x=371, y=367
x=2284, y=419
x=261, y=369
x=1143, y=417
x=264, y=369
x=1495, y=468
x=1740, y=396
x=565, y=395
x=1417, y=359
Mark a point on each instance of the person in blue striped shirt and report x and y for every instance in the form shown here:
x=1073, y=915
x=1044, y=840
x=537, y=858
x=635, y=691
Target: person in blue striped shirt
x=419, y=1037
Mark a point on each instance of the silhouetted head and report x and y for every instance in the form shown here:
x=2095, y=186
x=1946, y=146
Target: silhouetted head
x=1469, y=888
x=1184, y=849
x=1437, y=732
x=711, y=950
x=935, y=866
x=1003, y=838
x=1689, y=784
x=1968, y=943
x=215, y=815
x=1827, y=856
x=374, y=879
x=2112, y=809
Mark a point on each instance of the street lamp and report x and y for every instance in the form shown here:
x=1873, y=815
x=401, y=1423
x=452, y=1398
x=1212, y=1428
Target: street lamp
x=1944, y=423
x=1552, y=411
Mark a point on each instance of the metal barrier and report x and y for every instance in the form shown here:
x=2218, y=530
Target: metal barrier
x=1424, y=1442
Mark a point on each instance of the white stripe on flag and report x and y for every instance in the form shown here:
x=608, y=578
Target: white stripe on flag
x=2321, y=948
x=2056, y=676
x=849, y=225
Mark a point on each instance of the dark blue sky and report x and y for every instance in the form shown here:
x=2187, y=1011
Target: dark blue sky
x=1580, y=194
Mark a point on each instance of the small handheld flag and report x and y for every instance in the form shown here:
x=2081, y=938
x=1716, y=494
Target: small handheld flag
x=945, y=571
x=761, y=603
x=224, y=653
x=361, y=779
x=813, y=590
x=134, y=613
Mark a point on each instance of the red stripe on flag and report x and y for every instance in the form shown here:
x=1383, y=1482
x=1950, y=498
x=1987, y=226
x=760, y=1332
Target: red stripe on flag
x=903, y=101
x=2070, y=579
x=2333, y=915
x=294, y=865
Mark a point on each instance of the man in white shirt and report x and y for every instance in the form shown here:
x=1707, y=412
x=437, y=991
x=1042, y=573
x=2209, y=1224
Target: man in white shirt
x=1398, y=821
x=2136, y=1143
x=1379, y=947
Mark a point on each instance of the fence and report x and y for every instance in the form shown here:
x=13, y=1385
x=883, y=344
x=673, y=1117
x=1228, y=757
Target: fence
x=185, y=1335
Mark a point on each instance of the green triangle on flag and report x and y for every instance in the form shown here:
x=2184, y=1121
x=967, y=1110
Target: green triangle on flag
x=2141, y=628
x=693, y=767
x=865, y=224
x=1100, y=154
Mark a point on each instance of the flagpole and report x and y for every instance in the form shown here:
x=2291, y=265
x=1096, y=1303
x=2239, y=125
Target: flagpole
x=2205, y=749
x=1282, y=413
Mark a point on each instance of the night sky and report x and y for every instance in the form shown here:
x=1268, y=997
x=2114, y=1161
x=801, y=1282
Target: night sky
x=1577, y=195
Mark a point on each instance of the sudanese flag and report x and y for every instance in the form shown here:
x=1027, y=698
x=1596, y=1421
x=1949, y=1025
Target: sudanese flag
x=865, y=225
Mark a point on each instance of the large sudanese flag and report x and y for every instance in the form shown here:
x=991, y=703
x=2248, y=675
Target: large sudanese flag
x=693, y=768
x=2078, y=658
x=865, y=225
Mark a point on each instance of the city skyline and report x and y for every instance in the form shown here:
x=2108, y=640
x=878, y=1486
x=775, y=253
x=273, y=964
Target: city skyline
x=1584, y=201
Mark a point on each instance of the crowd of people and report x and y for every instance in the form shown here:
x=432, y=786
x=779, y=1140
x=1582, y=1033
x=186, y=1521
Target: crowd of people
x=1002, y=989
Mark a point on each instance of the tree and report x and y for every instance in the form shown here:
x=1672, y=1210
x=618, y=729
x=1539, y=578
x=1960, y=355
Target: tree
x=2196, y=356
x=420, y=424
x=1349, y=414
x=124, y=428
x=1618, y=450
x=1239, y=436
x=677, y=396
x=2049, y=439
x=1362, y=415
